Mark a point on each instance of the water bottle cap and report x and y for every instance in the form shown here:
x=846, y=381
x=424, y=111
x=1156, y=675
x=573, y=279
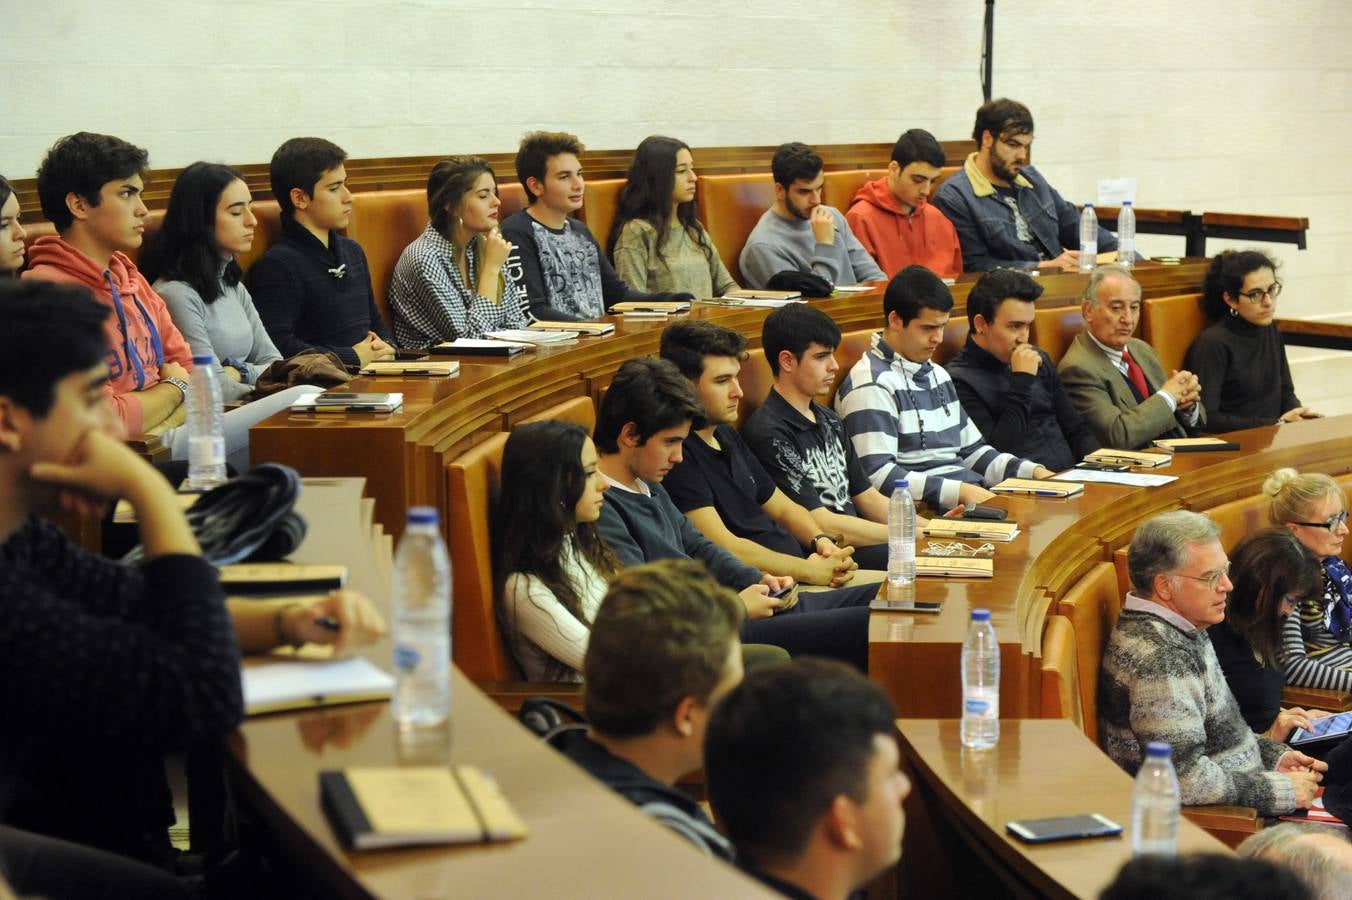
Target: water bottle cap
x=1159, y=749
x=900, y=482
x=203, y=360
x=1089, y=206
x=1126, y=203
x=981, y=615
x=422, y=515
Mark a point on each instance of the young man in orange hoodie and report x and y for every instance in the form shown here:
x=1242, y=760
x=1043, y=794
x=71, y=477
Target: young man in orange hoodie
x=90, y=188
x=892, y=216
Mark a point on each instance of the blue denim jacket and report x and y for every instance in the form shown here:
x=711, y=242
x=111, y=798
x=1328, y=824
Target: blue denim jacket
x=985, y=224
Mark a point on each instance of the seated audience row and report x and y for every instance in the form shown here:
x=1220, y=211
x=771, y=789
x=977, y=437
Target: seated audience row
x=463, y=277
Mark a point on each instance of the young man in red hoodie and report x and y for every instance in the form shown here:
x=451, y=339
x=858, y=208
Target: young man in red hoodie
x=892, y=216
x=90, y=188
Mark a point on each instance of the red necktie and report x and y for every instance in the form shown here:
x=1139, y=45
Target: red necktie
x=1135, y=375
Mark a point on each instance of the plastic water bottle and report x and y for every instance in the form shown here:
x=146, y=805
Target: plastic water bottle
x=206, y=426
x=1088, y=238
x=900, y=538
x=422, y=623
x=1126, y=235
x=1154, y=803
x=980, y=683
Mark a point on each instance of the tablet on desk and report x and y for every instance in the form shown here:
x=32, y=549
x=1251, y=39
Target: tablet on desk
x=1326, y=731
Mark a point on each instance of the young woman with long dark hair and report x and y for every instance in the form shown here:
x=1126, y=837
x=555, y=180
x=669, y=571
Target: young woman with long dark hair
x=449, y=282
x=192, y=263
x=656, y=242
x=1272, y=573
x=552, y=563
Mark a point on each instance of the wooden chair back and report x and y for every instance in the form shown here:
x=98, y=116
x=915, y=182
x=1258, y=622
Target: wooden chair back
x=600, y=199
x=473, y=481
x=578, y=410
x=1062, y=687
x=1170, y=325
x=266, y=232
x=1090, y=608
x=839, y=188
x=853, y=346
x=730, y=206
x=384, y=223
x=756, y=380
x=1053, y=329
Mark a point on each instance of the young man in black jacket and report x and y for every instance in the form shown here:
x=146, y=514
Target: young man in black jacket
x=312, y=288
x=1009, y=387
x=663, y=650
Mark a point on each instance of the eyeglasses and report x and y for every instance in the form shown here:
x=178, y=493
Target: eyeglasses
x=1256, y=295
x=1211, y=579
x=1332, y=523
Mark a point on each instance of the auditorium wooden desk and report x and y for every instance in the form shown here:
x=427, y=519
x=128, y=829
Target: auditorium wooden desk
x=403, y=455
x=956, y=844
x=584, y=841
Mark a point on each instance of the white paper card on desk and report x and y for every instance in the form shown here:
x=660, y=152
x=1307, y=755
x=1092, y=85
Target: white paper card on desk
x=479, y=347
x=1130, y=479
x=1116, y=191
x=527, y=336
x=275, y=685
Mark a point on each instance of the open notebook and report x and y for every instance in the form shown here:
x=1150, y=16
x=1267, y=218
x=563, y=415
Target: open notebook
x=278, y=684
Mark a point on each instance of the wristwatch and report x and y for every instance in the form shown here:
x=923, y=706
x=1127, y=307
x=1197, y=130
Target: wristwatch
x=178, y=383
x=833, y=538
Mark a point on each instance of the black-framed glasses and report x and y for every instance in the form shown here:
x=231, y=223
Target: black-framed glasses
x=1211, y=579
x=1331, y=524
x=1256, y=295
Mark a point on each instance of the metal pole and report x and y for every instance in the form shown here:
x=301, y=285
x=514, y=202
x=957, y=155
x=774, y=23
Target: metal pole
x=987, y=54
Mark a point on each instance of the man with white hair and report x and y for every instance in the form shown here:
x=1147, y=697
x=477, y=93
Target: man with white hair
x=1318, y=855
x=1116, y=381
x=1160, y=680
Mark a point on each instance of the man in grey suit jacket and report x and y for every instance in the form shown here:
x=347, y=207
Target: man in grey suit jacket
x=1116, y=381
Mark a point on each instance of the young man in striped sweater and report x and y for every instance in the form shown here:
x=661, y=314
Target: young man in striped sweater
x=901, y=410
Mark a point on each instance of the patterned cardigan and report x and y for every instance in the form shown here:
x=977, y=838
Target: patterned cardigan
x=1159, y=683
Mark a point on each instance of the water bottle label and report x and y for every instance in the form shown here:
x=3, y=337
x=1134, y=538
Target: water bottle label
x=981, y=707
x=406, y=658
x=206, y=451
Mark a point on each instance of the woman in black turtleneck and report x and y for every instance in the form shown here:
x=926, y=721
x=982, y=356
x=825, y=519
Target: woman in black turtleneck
x=1241, y=360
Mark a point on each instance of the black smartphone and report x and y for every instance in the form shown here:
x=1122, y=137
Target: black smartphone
x=782, y=591
x=990, y=513
x=1063, y=828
